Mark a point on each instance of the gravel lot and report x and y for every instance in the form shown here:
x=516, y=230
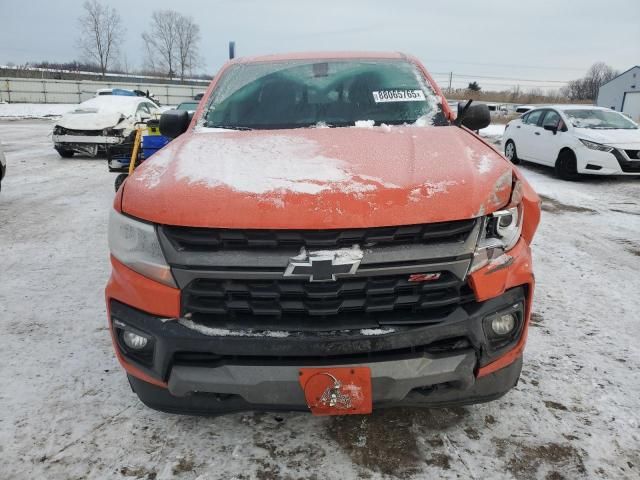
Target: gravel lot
x=68, y=412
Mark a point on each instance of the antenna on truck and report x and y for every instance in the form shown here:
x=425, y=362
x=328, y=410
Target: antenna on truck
x=232, y=50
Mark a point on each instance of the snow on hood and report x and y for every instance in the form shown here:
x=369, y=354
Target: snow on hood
x=260, y=165
x=90, y=120
x=627, y=138
x=99, y=113
x=319, y=178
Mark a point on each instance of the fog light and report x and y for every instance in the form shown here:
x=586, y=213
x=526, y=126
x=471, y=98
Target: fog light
x=503, y=324
x=134, y=341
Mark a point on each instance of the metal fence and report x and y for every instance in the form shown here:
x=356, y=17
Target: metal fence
x=29, y=90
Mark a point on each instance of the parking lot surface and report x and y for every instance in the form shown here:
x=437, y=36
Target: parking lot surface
x=68, y=412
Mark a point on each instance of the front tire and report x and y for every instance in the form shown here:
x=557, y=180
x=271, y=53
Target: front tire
x=567, y=166
x=120, y=180
x=511, y=153
x=64, y=153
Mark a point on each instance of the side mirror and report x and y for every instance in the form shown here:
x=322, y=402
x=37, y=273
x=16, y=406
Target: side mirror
x=475, y=116
x=174, y=123
x=551, y=128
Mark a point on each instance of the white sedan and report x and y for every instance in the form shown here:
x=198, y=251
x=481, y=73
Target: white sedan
x=101, y=122
x=3, y=165
x=575, y=139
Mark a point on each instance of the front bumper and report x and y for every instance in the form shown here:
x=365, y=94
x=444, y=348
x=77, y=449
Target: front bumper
x=484, y=389
x=432, y=365
x=617, y=162
x=90, y=139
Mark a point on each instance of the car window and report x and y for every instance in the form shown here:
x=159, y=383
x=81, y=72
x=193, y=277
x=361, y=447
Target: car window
x=533, y=117
x=189, y=106
x=143, y=108
x=152, y=108
x=551, y=118
x=599, y=119
x=294, y=94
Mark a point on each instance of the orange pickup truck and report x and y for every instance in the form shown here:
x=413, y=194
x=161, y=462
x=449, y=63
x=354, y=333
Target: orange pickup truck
x=324, y=234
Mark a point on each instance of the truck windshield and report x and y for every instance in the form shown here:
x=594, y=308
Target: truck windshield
x=599, y=119
x=296, y=94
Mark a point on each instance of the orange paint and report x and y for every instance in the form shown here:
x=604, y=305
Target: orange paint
x=129, y=368
x=487, y=285
x=337, y=391
x=137, y=291
x=140, y=292
x=417, y=175
x=405, y=175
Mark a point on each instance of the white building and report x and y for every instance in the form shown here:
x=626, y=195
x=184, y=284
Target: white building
x=622, y=93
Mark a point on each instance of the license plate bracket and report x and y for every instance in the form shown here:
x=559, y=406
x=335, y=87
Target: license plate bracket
x=337, y=390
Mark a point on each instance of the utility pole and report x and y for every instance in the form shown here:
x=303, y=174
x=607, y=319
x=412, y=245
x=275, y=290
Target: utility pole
x=450, y=79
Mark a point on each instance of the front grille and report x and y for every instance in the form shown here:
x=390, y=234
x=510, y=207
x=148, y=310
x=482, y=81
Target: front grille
x=68, y=131
x=212, y=360
x=627, y=166
x=633, y=154
x=298, y=305
x=210, y=239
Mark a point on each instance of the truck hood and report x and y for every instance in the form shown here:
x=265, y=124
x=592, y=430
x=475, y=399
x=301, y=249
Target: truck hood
x=619, y=137
x=90, y=120
x=317, y=178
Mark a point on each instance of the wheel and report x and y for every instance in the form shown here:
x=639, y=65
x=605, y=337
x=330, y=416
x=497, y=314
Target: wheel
x=510, y=152
x=120, y=179
x=566, y=166
x=64, y=153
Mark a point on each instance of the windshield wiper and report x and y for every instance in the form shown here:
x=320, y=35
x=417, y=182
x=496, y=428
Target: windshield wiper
x=228, y=127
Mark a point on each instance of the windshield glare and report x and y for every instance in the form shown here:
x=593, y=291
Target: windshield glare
x=299, y=94
x=599, y=119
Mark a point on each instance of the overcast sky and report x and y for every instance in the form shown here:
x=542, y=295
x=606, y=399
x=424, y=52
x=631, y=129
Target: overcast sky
x=545, y=40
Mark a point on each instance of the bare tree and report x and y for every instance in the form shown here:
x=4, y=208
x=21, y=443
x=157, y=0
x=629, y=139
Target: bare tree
x=188, y=34
x=161, y=42
x=586, y=88
x=101, y=33
x=172, y=44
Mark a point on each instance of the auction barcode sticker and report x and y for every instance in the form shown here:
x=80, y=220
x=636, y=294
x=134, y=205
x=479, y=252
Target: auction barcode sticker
x=398, y=96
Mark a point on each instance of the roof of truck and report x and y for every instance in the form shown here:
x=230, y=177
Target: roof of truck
x=322, y=56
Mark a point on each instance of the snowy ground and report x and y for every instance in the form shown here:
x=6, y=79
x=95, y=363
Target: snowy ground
x=67, y=411
x=34, y=110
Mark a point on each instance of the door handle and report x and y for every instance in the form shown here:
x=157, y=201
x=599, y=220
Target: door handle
x=517, y=126
x=537, y=133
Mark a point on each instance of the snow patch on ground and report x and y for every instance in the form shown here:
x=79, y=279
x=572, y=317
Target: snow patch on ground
x=493, y=130
x=35, y=110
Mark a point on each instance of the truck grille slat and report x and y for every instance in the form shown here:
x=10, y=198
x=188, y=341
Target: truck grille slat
x=286, y=302
x=215, y=239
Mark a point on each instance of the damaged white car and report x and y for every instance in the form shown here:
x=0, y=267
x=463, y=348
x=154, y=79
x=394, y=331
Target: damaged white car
x=100, y=123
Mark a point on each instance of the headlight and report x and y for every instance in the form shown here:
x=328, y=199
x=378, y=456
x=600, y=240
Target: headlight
x=596, y=146
x=135, y=244
x=501, y=231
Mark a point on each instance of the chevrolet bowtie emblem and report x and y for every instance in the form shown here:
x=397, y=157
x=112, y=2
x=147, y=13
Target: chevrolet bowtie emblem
x=324, y=266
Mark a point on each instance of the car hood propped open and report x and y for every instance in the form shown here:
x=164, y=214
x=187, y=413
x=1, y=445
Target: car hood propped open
x=318, y=178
